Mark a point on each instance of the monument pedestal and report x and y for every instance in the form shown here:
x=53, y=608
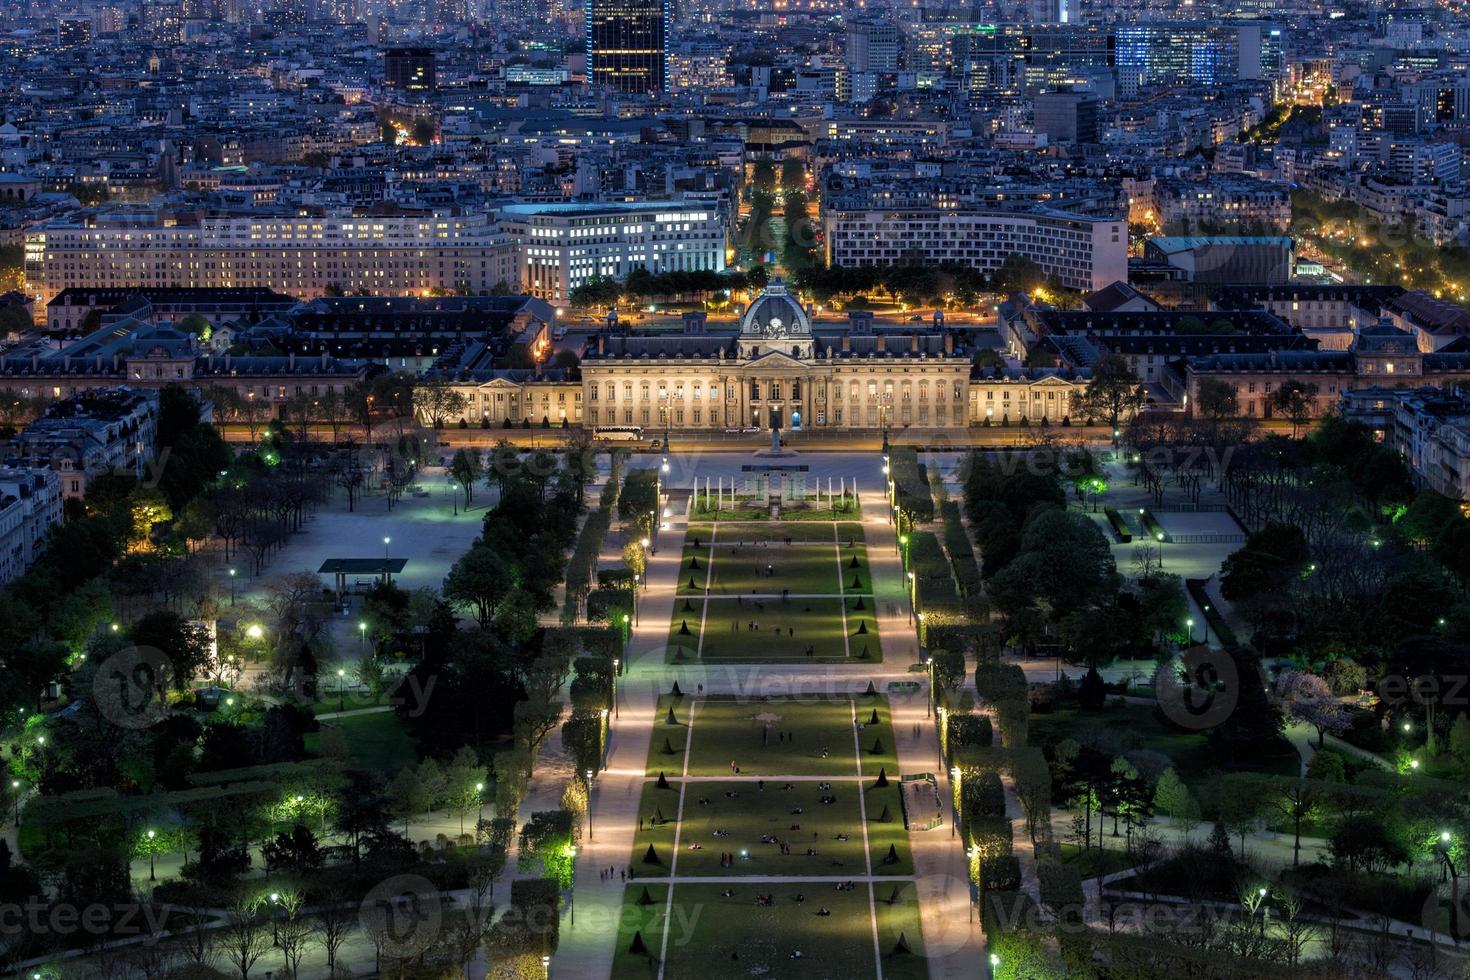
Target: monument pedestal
x=776, y=450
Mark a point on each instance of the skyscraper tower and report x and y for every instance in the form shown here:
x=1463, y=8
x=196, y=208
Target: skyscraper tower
x=628, y=44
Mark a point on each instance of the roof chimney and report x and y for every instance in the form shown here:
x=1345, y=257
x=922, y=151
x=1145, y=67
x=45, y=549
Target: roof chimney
x=601, y=344
x=948, y=342
x=913, y=343
x=882, y=343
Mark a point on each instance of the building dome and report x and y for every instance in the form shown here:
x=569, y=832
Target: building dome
x=775, y=314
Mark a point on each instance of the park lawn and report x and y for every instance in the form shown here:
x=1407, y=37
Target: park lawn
x=330, y=703
x=823, y=630
x=850, y=512
x=726, y=730
x=771, y=811
x=743, y=513
x=897, y=906
x=714, y=935
x=811, y=568
x=776, y=532
x=666, y=746
x=1093, y=862
x=640, y=917
x=659, y=833
x=1137, y=726
x=883, y=834
x=375, y=741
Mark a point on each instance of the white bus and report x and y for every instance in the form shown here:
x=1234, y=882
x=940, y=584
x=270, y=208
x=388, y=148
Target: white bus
x=619, y=433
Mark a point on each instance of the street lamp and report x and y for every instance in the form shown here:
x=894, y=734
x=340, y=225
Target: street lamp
x=588, y=774
x=480, y=813
x=341, y=681
x=386, y=541
x=546, y=966
x=15, y=790
x=1189, y=625
x=954, y=773
x=151, y=875
x=644, y=543
x=254, y=631
x=911, y=590
x=361, y=634
x=232, y=586
x=617, y=671
x=275, y=932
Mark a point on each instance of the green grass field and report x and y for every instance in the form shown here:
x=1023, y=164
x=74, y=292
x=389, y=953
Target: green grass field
x=826, y=756
x=730, y=730
x=756, y=598
x=714, y=934
x=376, y=741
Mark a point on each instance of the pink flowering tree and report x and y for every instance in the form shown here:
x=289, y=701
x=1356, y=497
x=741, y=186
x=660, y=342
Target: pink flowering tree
x=1309, y=700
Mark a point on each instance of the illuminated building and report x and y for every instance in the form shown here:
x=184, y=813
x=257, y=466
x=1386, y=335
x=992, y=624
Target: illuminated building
x=628, y=44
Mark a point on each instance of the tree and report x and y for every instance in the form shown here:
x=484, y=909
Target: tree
x=244, y=937
x=480, y=580
x=437, y=401
x=336, y=916
x=596, y=292
x=1294, y=399
x=1173, y=799
x=1241, y=812
x=1270, y=561
x=1309, y=700
x=409, y=795
x=424, y=131
x=466, y=469
x=1216, y=400
x=1114, y=391
x=185, y=644
x=1362, y=842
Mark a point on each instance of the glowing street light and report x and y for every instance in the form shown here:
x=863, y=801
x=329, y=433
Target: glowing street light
x=232, y=586
x=254, y=631
x=151, y=875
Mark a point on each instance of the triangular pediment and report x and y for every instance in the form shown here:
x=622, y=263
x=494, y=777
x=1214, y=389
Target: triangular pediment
x=776, y=358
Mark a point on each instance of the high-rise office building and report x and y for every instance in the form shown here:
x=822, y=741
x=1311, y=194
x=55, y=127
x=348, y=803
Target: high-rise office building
x=409, y=69
x=628, y=44
x=74, y=32
x=1066, y=117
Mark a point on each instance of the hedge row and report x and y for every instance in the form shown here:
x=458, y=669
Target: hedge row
x=1120, y=527
x=582, y=566
x=910, y=487
x=961, y=551
x=966, y=730
x=1196, y=589
x=1153, y=527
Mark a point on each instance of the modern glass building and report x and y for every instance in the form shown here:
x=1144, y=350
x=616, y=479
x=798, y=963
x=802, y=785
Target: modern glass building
x=628, y=44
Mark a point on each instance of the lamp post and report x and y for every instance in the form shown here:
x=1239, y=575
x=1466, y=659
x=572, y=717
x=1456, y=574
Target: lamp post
x=588, y=774
x=617, y=672
x=644, y=543
x=653, y=536
x=903, y=540
x=954, y=774
x=15, y=791
x=546, y=966
x=939, y=712
x=232, y=586
x=1189, y=628
x=341, y=697
x=275, y=929
x=994, y=963
x=910, y=576
x=361, y=634
x=386, y=541
x=480, y=811
x=151, y=875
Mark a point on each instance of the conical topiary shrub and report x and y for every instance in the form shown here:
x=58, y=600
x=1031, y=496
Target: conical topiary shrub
x=857, y=583
x=882, y=777
x=692, y=586
x=645, y=898
x=862, y=629
x=637, y=947
x=864, y=654
x=684, y=628
x=890, y=858
x=860, y=605
x=901, y=948
x=650, y=856
x=853, y=563
x=877, y=748
x=668, y=746
x=688, y=606
x=693, y=561
x=669, y=719
x=886, y=816
x=663, y=781
x=873, y=718
x=675, y=692
x=893, y=896
x=871, y=689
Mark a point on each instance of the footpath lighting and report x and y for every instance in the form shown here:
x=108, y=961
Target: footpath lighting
x=152, y=876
